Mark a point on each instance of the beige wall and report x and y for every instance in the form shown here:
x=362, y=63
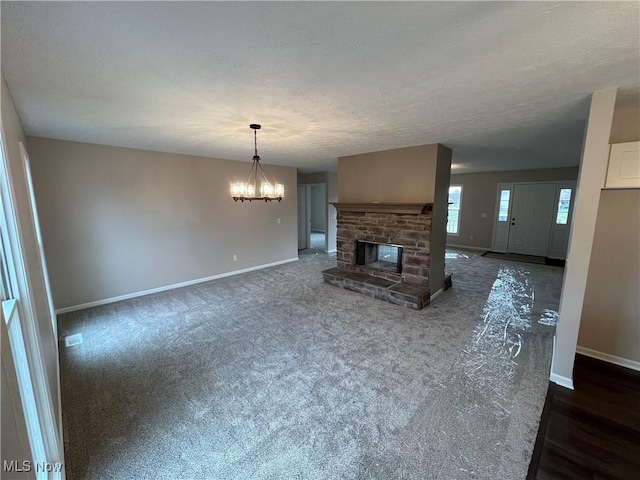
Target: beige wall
x=625, y=126
x=118, y=221
x=310, y=178
x=479, y=198
x=610, y=321
x=403, y=175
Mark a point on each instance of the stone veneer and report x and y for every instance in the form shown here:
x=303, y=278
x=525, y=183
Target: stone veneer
x=406, y=225
x=410, y=231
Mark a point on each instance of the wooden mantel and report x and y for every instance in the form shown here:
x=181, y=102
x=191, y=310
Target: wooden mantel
x=376, y=207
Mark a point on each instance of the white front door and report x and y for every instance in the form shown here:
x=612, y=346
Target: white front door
x=531, y=216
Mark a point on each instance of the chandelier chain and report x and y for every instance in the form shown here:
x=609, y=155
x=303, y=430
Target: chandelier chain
x=255, y=141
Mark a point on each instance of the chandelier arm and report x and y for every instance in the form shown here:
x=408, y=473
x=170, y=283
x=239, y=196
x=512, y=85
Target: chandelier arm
x=251, y=172
x=254, y=171
x=264, y=174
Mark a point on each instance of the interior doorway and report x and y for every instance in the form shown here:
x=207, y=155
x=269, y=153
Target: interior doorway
x=312, y=218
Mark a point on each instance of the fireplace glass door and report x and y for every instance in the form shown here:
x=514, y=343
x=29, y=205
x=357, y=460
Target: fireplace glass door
x=380, y=256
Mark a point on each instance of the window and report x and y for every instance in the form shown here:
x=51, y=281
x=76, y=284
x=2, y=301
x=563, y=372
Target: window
x=564, y=203
x=453, y=218
x=5, y=284
x=503, y=213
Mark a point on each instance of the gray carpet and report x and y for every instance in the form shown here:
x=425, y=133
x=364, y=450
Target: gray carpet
x=274, y=374
x=317, y=245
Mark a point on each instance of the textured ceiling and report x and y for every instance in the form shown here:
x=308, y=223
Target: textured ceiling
x=505, y=85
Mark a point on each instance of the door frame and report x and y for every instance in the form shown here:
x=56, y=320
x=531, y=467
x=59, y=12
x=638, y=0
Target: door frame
x=35, y=220
x=47, y=425
x=560, y=184
x=325, y=207
x=305, y=218
x=307, y=190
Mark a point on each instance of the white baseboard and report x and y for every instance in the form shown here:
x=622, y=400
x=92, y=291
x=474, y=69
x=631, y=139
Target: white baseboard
x=169, y=287
x=605, y=357
x=436, y=294
x=565, y=382
x=482, y=249
x=332, y=251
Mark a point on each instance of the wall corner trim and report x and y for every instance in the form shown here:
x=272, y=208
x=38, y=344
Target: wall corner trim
x=562, y=381
x=128, y=296
x=605, y=357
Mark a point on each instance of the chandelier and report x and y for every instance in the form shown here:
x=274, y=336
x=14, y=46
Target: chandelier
x=247, y=190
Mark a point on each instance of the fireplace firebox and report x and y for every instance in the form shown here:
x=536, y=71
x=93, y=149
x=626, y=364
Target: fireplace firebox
x=379, y=255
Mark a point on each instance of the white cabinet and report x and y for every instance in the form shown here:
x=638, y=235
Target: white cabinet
x=624, y=166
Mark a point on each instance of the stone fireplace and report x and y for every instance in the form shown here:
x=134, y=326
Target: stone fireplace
x=383, y=250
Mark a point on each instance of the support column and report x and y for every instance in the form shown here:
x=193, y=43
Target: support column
x=591, y=178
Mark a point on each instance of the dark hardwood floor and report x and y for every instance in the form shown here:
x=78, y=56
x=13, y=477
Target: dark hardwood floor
x=592, y=432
